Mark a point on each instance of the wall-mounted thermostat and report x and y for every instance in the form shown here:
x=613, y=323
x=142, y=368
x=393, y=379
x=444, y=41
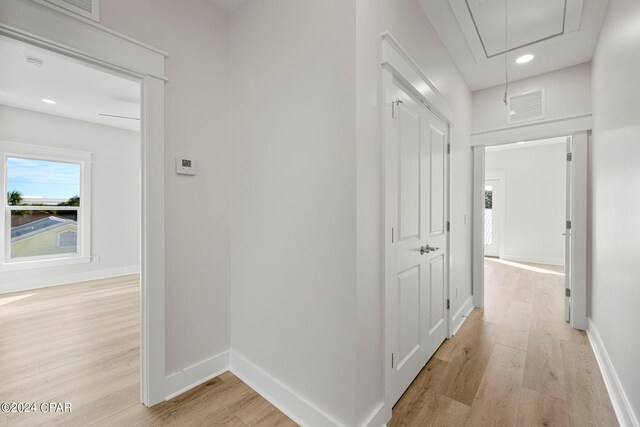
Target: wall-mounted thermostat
x=185, y=166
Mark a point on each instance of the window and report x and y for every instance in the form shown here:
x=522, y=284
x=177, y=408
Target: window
x=46, y=208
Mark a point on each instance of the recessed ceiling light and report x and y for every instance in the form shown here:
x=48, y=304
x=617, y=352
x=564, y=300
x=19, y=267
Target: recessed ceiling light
x=524, y=59
x=48, y=101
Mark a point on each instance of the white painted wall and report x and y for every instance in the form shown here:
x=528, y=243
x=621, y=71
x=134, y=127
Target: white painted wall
x=369, y=215
x=294, y=198
x=196, y=35
x=615, y=203
x=567, y=94
x=115, y=235
x=534, y=201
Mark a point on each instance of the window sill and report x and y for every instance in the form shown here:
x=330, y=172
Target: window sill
x=43, y=263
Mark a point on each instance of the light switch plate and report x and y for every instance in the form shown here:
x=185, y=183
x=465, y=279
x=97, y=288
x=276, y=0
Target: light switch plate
x=185, y=166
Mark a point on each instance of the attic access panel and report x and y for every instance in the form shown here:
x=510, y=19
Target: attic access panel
x=528, y=22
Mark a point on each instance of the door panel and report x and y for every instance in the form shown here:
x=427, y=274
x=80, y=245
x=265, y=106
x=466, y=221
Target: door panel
x=409, y=167
x=409, y=314
x=437, y=175
x=416, y=168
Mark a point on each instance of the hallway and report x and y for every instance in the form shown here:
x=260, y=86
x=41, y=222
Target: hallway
x=515, y=363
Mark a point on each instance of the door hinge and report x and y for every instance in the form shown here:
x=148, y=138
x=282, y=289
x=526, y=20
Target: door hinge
x=449, y=148
x=394, y=104
x=567, y=292
x=569, y=157
x=448, y=225
x=448, y=304
x=391, y=360
x=568, y=225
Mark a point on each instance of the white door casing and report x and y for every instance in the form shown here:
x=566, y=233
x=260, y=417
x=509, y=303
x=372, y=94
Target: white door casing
x=416, y=286
x=567, y=234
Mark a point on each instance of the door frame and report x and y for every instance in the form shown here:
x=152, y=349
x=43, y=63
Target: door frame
x=579, y=201
x=94, y=45
x=501, y=177
x=398, y=65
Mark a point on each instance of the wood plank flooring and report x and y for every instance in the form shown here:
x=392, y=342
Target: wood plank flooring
x=515, y=363
x=80, y=344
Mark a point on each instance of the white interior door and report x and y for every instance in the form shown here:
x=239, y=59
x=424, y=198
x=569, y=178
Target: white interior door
x=492, y=217
x=567, y=235
x=416, y=162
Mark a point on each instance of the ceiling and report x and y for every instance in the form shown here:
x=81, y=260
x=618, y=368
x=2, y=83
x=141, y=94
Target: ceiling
x=228, y=6
x=559, y=33
x=81, y=92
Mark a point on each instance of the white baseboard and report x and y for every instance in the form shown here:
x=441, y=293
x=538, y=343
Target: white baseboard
x=296, y=407
x=534, y=259
x=188, y=378
x=621, y=404
x=461, y=315
x=66, y=279
x=378, y=417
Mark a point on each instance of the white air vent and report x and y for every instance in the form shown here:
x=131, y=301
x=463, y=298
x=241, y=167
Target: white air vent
x=526, y=106
x=87, y=8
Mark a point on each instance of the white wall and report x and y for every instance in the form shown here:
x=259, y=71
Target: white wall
x=534, y=203
x=198, y=209
x=567, y=94
x=369, y=216
x=294, y=198
x=615, y=201
x=115, y=198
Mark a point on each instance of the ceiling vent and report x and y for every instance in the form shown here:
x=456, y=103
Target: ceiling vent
x=526, y=106
x=87, y=8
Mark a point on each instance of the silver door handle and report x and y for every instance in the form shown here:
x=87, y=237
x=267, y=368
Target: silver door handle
x=426, y=249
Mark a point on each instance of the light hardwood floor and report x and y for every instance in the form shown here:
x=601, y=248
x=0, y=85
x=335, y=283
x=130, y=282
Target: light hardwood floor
x=80, y=344
x=515, y=363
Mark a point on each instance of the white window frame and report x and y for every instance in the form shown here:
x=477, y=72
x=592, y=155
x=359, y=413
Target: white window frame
x=25, y=151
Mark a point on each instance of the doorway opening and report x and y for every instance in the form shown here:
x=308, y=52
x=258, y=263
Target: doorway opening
x=70, y=260
x=525, y=193
x=534, y=196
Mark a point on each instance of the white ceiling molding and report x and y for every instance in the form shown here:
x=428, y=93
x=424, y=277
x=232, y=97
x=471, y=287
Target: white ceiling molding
x=532, y=131
x=404, y=68
x=559, y=33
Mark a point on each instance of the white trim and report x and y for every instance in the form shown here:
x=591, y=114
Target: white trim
x=297, y=408
x=377, y=418
x=621, y=403
x=398, y=60
x=532, y=131
x=533, y=259
x=67, y=279
x=461, y=315
x=109, y=31
x=478, y=226
x=196, y=374
x=44, y=262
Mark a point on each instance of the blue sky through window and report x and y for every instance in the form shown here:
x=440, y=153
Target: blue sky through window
x=41, y=178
